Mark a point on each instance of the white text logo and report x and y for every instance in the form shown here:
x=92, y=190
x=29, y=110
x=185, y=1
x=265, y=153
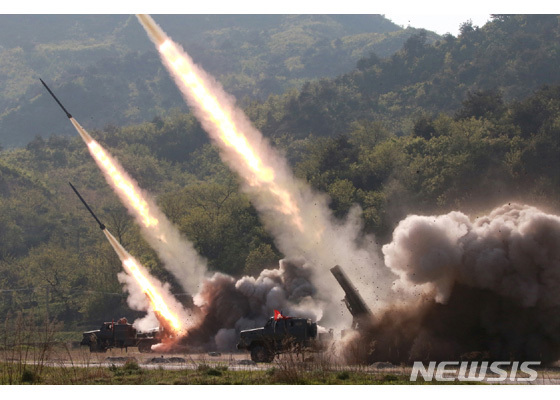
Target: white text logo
x=471, y=371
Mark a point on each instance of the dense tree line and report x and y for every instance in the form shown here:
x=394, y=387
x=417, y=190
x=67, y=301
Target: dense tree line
x=514, y=55
x=487, y=152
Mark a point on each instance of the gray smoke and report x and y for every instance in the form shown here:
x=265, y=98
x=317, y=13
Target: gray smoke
x=488, y=286
x=296, y=216
x=229, y=306
x=514, y=251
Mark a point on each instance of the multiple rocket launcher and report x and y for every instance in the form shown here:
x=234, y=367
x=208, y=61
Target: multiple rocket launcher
x=361, y=313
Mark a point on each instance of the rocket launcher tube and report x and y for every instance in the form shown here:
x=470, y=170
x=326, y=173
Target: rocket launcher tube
x=101, y=226
x=54, y=97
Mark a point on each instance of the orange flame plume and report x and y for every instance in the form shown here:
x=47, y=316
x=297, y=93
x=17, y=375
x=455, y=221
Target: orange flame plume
x=123, y=184
x=227, y=132
x=168, y=318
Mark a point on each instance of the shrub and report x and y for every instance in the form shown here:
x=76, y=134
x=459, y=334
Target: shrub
x=390, y=378
x=131, y=366
x=343, y=376
x=214, y=372
x=29, y=376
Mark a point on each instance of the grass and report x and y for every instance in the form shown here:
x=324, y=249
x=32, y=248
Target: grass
x=130, y=374
x=63, y=366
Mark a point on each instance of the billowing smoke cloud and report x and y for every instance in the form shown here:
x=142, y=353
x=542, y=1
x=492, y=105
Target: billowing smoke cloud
x=229, y=306
x=514, y=252
x=298, y=218
x=137, y=300
x=488, y=287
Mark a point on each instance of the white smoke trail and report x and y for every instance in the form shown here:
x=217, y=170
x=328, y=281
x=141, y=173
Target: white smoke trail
x=176, y=252
x=148, y=294
x=298, y=218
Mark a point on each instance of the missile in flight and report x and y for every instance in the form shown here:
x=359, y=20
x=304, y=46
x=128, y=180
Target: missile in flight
x=63, y=109
x=101, y=226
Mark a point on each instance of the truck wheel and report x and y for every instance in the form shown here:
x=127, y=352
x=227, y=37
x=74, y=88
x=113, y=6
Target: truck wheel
x=97, y=348
x=261, y=354
x=257, y=353
x=145, y=347
x=269, y=357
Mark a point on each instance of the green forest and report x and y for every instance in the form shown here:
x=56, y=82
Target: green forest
x=108, y=72
x=449, y=123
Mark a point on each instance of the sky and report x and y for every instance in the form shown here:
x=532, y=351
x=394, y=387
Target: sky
x=438, y=23
x=440, y=16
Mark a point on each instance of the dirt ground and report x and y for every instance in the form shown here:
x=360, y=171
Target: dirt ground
x=67, y=356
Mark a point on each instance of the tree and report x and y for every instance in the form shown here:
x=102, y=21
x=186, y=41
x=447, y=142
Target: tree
x=482, y=103
x=262, y=257
x=415, y=45
x=424, y=127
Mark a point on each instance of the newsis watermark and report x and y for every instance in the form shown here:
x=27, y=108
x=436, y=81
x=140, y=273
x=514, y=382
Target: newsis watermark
x=471, y=371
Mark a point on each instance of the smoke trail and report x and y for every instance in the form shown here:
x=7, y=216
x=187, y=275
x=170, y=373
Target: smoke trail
x=148, y=294
x=177, y=253
x=488, y=287
x=298, y=218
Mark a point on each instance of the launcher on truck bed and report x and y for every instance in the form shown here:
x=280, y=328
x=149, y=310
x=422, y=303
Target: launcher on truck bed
x=120, y=335
x=362, y=315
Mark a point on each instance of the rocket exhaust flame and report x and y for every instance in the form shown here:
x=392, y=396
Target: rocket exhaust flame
x=147, y=285
x=298, y=218
x=167, y=318
x=123, y=184
x=177, y=253
x=223, y=125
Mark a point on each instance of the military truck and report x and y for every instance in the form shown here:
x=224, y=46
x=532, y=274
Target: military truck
x=277, y=336
x=120, y=335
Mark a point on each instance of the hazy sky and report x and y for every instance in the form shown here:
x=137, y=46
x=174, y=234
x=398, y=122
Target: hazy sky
x=440, y=16
x=438, y=23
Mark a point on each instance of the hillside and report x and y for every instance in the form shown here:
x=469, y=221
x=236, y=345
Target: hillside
x=466, y=162
x=424, y=130
x=106, y=70
x=509, y=58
